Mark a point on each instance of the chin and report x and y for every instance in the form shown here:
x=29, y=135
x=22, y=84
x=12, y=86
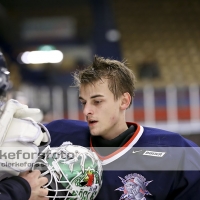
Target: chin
x=93, y=133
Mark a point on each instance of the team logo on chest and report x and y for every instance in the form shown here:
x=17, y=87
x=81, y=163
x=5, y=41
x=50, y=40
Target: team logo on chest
x=134, y=187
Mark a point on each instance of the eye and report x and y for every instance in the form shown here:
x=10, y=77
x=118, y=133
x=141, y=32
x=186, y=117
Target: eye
x=97, y=102
x=83, y=103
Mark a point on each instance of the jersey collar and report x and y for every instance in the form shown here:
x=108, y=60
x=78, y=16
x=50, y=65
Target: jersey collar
x=122, y=150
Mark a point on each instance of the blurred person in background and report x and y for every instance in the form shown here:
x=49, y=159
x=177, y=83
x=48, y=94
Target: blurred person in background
x=27, y=185
x=139, y=162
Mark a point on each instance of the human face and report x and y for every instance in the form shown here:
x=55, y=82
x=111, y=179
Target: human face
x=103, y=113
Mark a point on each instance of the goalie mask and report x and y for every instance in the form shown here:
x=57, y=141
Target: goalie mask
x=4, y=75
x=74, y=172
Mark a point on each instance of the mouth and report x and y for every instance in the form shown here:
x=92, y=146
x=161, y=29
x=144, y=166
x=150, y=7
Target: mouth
x=92, y=122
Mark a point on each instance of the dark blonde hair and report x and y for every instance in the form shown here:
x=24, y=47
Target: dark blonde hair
x=120, y=78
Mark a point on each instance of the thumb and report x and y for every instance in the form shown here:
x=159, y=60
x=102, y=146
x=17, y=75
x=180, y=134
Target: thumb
x=24, y=173
x=34, y=113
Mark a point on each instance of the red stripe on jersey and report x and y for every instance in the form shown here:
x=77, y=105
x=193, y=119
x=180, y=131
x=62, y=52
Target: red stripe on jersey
x=102, y=158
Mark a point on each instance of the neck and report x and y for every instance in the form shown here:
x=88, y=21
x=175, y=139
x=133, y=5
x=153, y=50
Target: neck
x=117, y=129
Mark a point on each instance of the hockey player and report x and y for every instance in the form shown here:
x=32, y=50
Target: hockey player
x=16, y=140
x=139, y=162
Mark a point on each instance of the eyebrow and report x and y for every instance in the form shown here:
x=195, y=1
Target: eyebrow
x=92, y=97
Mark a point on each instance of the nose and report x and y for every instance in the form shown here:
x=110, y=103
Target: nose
x=87, y=110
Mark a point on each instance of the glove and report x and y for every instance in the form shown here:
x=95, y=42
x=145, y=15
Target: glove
x=20, y=137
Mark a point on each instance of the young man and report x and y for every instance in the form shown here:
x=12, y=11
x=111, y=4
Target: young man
x=139, y=162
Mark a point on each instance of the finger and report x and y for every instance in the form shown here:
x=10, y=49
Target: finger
x=43, y=181
x=43, y=191
x=42, y=198
x=26, y=112
x=36, y=173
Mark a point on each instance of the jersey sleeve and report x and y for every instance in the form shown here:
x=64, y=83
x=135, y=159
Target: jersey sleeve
x=14, y=188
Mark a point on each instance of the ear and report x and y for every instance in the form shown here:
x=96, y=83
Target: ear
x=125, y=101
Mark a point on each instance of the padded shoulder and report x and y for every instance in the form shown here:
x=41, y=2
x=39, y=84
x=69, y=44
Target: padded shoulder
x=64, y=130
x=158, y=137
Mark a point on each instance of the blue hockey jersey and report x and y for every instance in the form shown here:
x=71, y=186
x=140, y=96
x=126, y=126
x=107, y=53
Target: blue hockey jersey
x=152, y=164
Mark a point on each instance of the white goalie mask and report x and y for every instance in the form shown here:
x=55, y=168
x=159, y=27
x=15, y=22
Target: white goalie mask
x=4, y=75
x=74, y=172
